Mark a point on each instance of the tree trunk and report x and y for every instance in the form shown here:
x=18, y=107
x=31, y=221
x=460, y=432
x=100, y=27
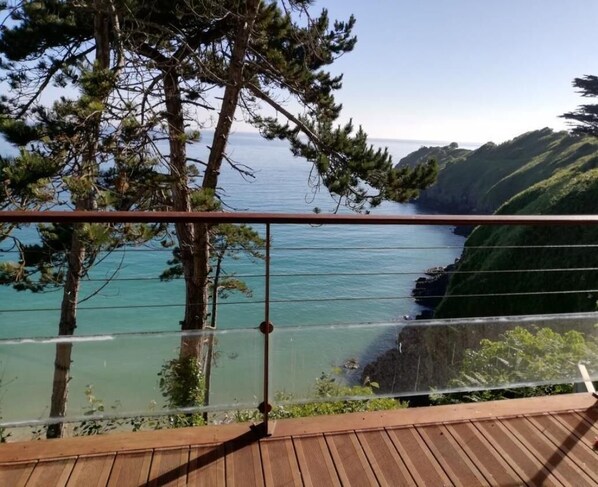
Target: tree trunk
x=76, y=256
x=211, y=338
x=193, y=239
x=232, y=91
x=66, y=327
x=210, y=180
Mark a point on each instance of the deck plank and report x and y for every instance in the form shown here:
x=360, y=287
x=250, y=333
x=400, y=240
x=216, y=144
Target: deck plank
x=527, y=465
x=280, y=462
x=451, y=456
x=92, y=470
x=16, y=474
x=494, y=467
x=243, y=462
x=468, y=446
x=351, y=463
x=169, y=467
x=422, y=464
x=550, y=455
x=386, y=463
x=591, y=416
x=55, y=473
x=131, y=469
x=315, y=461
x=568, y=442
x=206, y=466
x=579, y=426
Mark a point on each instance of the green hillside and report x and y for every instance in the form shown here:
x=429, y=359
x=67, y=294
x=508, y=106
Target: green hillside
x=573, y=190
x=539, y=173
x=481, y=181
x=443, y=155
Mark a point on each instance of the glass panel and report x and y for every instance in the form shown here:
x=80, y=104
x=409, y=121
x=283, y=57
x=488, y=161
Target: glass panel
x=411, y=358
x=120, y=375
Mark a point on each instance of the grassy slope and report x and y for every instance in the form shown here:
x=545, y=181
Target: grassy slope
x=482, y=180
x=443, y=155
x=561, y=177
x=573, y=190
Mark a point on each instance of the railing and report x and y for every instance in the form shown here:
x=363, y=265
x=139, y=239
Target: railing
x=264, y=365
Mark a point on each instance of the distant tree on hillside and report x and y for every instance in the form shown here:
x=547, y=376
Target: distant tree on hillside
x=585, y=118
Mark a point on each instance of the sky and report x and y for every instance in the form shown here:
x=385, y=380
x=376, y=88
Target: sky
x=464, y=70
x=467, y=71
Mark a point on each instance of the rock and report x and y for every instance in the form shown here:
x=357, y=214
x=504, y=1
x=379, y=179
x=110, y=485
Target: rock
x=429, y=291
x=351, y=364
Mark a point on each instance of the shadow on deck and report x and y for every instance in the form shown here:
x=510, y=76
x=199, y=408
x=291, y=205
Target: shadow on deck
x=536, y=441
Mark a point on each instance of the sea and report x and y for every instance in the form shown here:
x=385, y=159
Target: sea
x=339, y=296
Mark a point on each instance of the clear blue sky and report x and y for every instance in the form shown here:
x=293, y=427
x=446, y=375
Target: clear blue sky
x=464, y=70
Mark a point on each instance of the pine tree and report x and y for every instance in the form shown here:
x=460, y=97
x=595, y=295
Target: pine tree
x=585, y=119
x=170, y=58
x=63, y=151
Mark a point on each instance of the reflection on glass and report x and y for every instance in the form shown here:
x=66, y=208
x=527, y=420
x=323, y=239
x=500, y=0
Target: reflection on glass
x=430, y=357
x=140, y=374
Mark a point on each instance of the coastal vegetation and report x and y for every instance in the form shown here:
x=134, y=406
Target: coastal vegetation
x=505, y=271
x=480, y=181
x=521, y=356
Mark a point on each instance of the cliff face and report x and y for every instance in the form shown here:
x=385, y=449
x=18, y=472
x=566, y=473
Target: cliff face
x=480, y=181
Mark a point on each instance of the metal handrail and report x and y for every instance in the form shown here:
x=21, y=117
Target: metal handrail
x=269, y=219
x=287, y=218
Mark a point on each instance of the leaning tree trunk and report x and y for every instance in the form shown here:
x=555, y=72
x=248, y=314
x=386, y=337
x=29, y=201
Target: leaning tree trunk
x=193, y=239
x=76, y=255
x=66, y=327
x=230, y=101
x=210, y=339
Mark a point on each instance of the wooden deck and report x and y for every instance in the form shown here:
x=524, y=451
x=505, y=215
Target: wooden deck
x=539, y=441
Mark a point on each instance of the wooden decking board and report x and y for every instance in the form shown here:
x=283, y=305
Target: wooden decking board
x=528, y=466
x=351, y=463
x=591, y=416
x=131, y=469
x=428, y=415
x=579, y=426
x=537, y=447
x=585, y=458
x=55, y=473
x=92, y=470
x=315, y=462
x=422, y=464
x=386, y=463
x=243, y=462
x=553, y=459
x=451, y=456
x=16, y=474
x=280, y=462
x=169, y=467
x=486, y=458
x=206, y=466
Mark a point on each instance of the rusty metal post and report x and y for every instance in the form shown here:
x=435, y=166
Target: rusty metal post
x=266, y=328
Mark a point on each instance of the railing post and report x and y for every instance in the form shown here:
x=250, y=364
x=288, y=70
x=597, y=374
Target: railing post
x=266, y=328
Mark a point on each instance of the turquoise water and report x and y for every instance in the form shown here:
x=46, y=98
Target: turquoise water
x=371, y=268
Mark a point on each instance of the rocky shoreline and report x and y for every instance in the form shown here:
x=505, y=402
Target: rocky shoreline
x=430, y=290
x=401, y=369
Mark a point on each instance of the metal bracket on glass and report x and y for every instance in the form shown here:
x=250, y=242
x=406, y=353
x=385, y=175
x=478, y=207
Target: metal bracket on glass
x=266, y=328
x=264, y=407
